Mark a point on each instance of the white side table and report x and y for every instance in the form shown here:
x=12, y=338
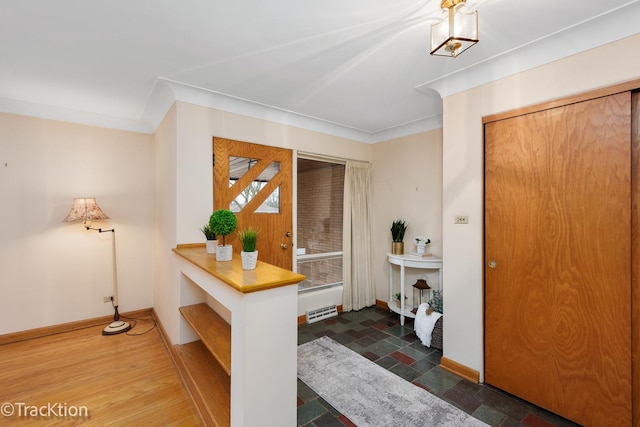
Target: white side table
x=411, y=261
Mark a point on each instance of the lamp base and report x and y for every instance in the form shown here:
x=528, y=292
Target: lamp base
x=116, y=327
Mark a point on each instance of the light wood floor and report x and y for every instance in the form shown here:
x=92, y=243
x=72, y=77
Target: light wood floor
x=122, y=380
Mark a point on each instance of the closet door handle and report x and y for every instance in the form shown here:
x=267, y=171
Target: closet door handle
x=492, y=264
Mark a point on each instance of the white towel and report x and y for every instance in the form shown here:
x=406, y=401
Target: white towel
x=425, y=323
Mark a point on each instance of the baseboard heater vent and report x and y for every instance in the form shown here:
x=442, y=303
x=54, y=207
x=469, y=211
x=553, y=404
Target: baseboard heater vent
x=321, y=314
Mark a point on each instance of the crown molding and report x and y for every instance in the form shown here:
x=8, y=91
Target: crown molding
x=211, y=99
x=30, y=109
x=165, y=92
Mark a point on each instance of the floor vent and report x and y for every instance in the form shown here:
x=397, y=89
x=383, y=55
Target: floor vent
x=321, y=313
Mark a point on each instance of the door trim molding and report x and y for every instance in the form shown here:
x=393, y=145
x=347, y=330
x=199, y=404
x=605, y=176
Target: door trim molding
x=560, y=102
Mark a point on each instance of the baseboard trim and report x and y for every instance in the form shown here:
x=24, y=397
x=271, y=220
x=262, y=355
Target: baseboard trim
x=460, y=370
x=382, y=304
x=163, y=332
x=66, y=327
x=188, y=384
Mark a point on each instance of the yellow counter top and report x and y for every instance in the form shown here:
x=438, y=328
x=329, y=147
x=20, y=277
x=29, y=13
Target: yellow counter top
x=265, y=276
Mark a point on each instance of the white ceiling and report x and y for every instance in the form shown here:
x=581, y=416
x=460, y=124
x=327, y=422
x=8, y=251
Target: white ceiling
x=354, y=68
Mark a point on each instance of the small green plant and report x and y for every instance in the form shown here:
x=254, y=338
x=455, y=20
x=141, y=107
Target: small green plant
x=398, y=228
x=436, y=301
x=208, y=232
x=248, y=237
x=397, y=295
x=223, y=222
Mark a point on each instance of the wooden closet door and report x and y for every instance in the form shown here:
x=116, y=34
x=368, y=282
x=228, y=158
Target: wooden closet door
x=557, y=233
x=635, y=253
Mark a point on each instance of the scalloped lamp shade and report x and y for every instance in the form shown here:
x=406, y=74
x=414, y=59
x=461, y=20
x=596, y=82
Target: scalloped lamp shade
x=86, y=209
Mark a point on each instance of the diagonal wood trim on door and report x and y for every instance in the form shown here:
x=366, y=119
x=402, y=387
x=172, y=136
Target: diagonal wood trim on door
x=275, y=239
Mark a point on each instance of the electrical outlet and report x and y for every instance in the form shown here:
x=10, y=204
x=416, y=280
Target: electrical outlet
x=461, y=219
x=107, y=299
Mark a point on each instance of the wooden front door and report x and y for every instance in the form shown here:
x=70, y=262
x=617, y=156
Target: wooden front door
x=255, y=182
x=557, y=259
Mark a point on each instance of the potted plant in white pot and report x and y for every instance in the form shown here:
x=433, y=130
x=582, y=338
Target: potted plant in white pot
x=223, y=222
x=398, y=228
x=212, y=243
x=248, y=237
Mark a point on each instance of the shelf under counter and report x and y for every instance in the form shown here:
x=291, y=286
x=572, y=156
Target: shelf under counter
x=213, y=331
x=238, y=324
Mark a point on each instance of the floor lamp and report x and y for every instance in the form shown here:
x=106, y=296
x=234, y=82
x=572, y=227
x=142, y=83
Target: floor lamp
x=87, y=210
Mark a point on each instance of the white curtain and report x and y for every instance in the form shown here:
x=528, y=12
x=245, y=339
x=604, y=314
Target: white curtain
x=358, y=287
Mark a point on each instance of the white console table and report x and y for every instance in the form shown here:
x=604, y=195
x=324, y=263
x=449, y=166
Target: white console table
x=411, y=261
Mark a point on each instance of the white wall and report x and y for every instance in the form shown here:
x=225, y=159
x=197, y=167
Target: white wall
x=189, y=141
x=407, y=184
x=53, y=272
x=463, y=174
x=166, y=294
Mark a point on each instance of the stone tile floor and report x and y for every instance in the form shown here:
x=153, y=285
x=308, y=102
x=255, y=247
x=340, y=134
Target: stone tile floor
x=377, y=335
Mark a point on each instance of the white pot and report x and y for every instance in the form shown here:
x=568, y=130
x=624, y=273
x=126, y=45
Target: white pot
x=249, y=260
x=224, y=253
x=211, y=246
x=421, y=248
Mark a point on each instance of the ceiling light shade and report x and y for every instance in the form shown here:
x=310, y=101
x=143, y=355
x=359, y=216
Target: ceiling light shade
x=86, y=209
x=457, y=32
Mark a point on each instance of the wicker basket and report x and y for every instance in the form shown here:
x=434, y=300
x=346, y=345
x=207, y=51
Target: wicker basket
x=436, y=334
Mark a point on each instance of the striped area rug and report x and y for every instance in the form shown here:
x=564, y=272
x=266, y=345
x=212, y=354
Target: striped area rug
x=369, y=395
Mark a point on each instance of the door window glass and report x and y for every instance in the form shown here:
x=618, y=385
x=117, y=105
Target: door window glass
x=319, y=231
x=238, y=167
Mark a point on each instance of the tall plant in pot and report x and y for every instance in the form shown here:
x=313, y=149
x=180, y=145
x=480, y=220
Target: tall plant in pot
x=212, y=243
x=248, y=237
x=398, y=228
x=223, y=222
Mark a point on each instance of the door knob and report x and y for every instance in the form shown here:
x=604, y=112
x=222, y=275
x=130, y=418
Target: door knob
x=284, y=245
x=288, y=234
x=492, y=264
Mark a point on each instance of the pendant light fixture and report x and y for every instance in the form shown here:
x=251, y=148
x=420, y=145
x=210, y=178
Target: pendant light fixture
x=457, y=32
